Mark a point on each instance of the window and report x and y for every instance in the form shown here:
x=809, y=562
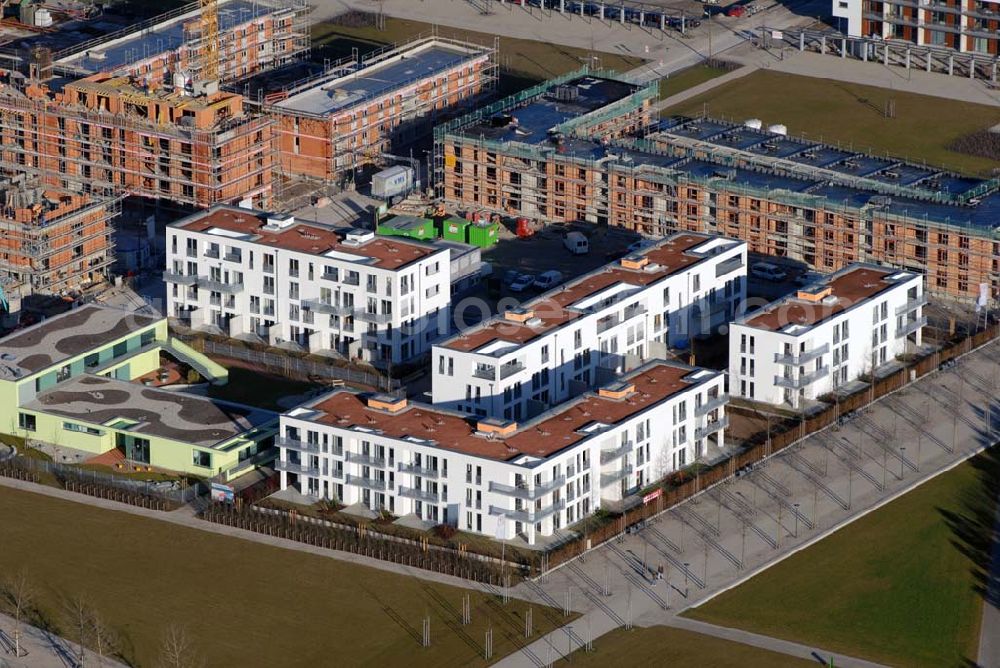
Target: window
x=203, y=459
x=26, y=421
x=83, y=429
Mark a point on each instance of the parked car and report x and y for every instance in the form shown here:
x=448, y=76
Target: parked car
x=523, y=282
x=640, y=245
x=768, y=271
x=510, y=276
x=576, y=243
x=548, y=280
x=736, y=11
x=806, y=278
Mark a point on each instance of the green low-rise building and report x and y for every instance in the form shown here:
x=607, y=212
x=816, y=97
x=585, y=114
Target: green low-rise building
x=68, y=381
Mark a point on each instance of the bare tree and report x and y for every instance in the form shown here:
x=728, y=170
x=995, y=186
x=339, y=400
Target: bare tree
x=78, y=610
x=177, y=650
x=105, y=639
x=20, y=595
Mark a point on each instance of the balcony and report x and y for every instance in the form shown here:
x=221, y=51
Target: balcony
x=803, y=357
x=485, y=372
x=633, y=311
x=212, y=253
x=219, y=286
x=366, y=460
x=352, y=280
x=608, y=456
x=613, y=477
x=331, y=276
x=522, y=491
x=365, y=316
x=912, y=326
x=803, y=380
x=180, y=279
x=711, y=428
x=292, y=467
x=604, y=324
x=711, y=405
x=367, y=483
x=233, y=257
x=298, y=446
x=320, y=306
x=912, y=304
x=527, y=516
x=418, y=494
x=507, y=370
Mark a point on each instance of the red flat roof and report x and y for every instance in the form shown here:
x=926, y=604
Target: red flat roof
x=541, y=438
x=672, y=256
x=306, y=238
x=850, y=287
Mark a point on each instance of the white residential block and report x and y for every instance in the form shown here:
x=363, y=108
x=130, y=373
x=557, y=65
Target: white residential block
x=260, y=276
x=498, y=477
x=826, y=335
x=583, y=333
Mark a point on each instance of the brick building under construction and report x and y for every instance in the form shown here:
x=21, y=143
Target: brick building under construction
x=556, y=153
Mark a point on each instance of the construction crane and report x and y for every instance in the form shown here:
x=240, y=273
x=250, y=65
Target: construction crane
x=209, y=41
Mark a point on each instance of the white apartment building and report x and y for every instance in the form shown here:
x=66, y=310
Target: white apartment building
x=591, y=329
x=254, y=275
x=498, y=477
x=826, y=335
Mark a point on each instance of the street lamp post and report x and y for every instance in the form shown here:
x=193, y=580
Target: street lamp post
x=686, y=564
x=796, y=520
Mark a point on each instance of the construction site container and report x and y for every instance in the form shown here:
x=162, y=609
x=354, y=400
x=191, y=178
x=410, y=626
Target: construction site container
x=483, y=235
x=453, y=229
x=408, y=226
x=391, y=182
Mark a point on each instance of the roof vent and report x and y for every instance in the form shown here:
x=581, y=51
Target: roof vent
x=358, y=237
x=521, y=315
x=280, y=221
x=533, y=322
x=618, y=391
x=652, y=268
x=495, y=427
x=634, y=261
x=387, y=403
x=815, y=295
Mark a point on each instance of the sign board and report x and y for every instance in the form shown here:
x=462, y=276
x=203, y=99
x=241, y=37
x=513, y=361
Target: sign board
x=222, y=493
x=777, y=34
x=652, y=496
x=984, y=297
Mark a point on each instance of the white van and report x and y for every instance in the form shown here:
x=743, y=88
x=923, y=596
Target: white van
x=576, y=243
x=548, y=280
x=768, y=271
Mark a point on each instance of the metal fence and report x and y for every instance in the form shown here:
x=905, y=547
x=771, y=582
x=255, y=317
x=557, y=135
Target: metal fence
x=97, y=483
x=287, y=365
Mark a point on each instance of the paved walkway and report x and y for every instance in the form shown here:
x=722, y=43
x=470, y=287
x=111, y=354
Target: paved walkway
x=44, y=650
x=989, y=634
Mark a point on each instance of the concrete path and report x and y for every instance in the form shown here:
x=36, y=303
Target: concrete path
x=989, y=633
x=42, y=649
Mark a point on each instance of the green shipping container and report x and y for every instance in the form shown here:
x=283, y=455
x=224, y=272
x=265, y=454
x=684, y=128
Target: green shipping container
x=453, y=229
x=483, y=235
x=407, y=226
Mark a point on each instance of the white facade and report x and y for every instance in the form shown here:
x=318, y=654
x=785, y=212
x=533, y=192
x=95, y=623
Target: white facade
x=496, y=477
x=827, y=335
x=292, y=284
x=591, y=329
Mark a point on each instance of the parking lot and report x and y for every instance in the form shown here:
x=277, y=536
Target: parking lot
x=726, y=533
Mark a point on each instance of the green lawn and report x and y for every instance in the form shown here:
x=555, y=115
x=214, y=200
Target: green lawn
x=853, y=114
x=899, y=586
x=525, y=62
x=241, y=603
x=667, y=646
x=689, y=78
x=255, y=388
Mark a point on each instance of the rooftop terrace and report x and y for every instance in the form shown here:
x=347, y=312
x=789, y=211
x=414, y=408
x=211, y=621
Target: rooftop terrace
x=234, y=223
x=65, y=336
x=542, y=437
x=147, y=411
x=833, y=295
x=392, y=71
x=573, y=299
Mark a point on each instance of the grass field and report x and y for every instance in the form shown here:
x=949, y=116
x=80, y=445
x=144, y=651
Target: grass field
x=689, y=78
x=899, y=586
x=666, y=646
x=241, y=603
x=853, y=114
x=524, y=62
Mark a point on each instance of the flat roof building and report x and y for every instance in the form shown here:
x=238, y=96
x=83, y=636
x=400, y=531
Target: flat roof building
x=585, y=332
x=536, y=155
x=498, y=477
x=286, y=282
x=69, y=381
x=854, y=323
x=348, y=116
